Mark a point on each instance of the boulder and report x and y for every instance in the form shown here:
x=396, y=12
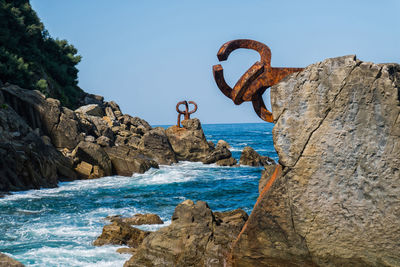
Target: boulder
x=94, y=155
x=120, y=233
x=6, y=261
x=217, y=154
x=223, y=143
x=91, y=110
x=251, y=158
x=104, y=141
x=138, y=219
x=126, y=161
x=189, y=142
x=227, y=162
x=334, y=199
x=196, y=237
x=66, y=133
x=135, y=122
x=155, y=144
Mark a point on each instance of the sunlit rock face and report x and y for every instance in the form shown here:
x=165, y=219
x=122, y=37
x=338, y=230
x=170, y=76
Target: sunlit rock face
x=336, y=199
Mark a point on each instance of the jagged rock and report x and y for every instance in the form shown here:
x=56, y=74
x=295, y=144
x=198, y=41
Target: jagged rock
x=196, y=237
x=120, y=233
x=136, y=122
x=223, y=143
x=126, y=161
x=93, y=99
x=25, y=160
x=114, y=106
x=94, y=155
x=155, y=144
x=104, y=141
x=90, y=139
x=227, y=162
x=336, y=200
x=84, y=170
x=6, y=261
x=91, y=110
x=66, y=133
x=189, y=142
x=137, y=219
x=250, y=157
x=217, y=154
x=110, y=114
x=95, y=126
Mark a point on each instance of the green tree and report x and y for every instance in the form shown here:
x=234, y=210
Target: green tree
x=32, y=59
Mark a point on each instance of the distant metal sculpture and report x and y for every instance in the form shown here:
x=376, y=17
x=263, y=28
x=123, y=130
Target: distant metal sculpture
x=186, y=112
x=255, y=80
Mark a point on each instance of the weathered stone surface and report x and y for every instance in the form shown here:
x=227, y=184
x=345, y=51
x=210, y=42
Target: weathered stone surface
x=104, y=141
x=219, y=153
x=91, y=110
x=336, y=201
x=126, y=161
x=66, y=133
x=265, y=175
x=155, y=144
x=223, y=143
x=250, y=157
x=6, y=261
x=94, y=155
x=196, y=237
x=138, y=219
x=25, y=160
x=189, y=142
x=227, y=162
x=120, y=233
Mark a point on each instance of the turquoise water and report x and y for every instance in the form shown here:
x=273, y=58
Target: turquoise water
x=56, y=227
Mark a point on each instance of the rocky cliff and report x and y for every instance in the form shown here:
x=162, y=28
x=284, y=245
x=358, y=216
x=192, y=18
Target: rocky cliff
x=334, y=200
x=42, y=142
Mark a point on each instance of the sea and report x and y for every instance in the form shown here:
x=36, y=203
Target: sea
x=57, y=226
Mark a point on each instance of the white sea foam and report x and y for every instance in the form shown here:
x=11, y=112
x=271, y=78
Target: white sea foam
x=74, y=256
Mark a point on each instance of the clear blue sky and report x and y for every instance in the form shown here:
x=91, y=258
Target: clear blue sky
x=148, y=55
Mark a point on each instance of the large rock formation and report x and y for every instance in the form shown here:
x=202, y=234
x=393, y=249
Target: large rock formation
x=189, y=143
x=95, y=140
x=336, y=199
x=250, y=157
x=121, y=233
x=196, y=237
x=26, y=161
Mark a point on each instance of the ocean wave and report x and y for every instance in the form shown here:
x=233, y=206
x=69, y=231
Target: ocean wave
x=73, y=256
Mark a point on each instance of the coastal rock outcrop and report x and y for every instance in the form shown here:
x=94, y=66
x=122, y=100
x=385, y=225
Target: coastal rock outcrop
x=26, y=161
x=251, y=158
x=196, y=237
x=334, y=198
x=121, y=233
x=189, y=143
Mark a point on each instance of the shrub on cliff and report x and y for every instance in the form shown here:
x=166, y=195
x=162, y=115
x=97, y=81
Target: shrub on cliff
x=32, y=59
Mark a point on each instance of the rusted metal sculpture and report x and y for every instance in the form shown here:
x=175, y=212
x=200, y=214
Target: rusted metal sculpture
x=186, y=112
x=256, y=79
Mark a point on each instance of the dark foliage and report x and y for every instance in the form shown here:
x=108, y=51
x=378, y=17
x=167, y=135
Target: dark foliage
x=30, y=58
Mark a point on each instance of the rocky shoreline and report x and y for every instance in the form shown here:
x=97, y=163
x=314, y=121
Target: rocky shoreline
x=333, y=199
x=42, y=142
